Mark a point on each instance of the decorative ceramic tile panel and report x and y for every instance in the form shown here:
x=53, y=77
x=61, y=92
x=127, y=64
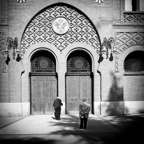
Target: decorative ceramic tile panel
x=125, y=40
x=134, y=17
x=40, y=29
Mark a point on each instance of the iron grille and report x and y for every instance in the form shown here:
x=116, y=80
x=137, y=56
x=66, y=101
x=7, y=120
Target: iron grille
x=78, y=64
x=43, y=64
x=134, y=62
x=134, y=65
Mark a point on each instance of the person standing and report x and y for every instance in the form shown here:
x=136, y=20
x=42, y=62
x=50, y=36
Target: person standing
x=57, y=107
x=84, y=109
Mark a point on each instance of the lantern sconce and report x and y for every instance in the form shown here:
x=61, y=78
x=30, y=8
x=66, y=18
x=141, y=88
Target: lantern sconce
x=9, y=43
x=107, y=46
x=18, y=55
x=12, y=44
x=17, y=50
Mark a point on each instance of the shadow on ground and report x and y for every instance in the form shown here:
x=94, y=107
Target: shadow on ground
x=94, y=134
x=131, y=126
x=68, y=133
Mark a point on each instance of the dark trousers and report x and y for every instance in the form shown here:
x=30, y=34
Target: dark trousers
x=57, y=113
x=83, y=122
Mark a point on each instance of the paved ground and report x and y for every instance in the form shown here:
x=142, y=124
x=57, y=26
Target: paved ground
x=5, y=121
x=101, y=130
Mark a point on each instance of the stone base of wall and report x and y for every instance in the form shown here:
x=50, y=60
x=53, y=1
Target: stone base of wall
x=10, y=109
x=63, y=111
x=103, y=108
x=134, y=107
x=112, y=108
x=121, y=107
x=97, y=106
x=26, y=108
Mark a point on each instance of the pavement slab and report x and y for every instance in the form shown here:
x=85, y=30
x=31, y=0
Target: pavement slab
x=45, y=129
x=5, y=121
x=45, y=124
x=120, y=129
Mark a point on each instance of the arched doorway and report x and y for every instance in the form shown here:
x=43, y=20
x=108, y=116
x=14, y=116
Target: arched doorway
x=43, y=82
x=78, y=80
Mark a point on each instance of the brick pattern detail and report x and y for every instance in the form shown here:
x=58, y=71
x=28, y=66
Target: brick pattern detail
x=134, y=17
x=2, y=51
x=40, y=29
x=134, y=88
x=3, y=12
x=2, y=41
x=124, y=40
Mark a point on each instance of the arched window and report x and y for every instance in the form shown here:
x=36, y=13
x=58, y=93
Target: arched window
x=43, y=61
x=134, y=62
x=79, y=61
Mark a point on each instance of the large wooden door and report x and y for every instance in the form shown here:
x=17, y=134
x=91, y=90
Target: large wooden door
x=43, y=93
x=77, y=88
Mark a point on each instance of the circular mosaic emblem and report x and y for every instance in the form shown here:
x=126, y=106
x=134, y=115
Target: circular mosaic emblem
x=60, y=25
x=43, y=63
x=135, y=67
x=78, y=63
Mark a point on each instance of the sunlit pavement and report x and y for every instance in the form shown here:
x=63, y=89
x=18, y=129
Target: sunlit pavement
x=5, y=121
x=45, y=129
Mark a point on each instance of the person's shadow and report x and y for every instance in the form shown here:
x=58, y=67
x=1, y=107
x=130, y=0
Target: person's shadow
x=53, y=118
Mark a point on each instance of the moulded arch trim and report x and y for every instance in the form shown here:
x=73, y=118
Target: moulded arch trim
x=38, y=47
x=42, y=49
x=125, y=54
x=84, y=47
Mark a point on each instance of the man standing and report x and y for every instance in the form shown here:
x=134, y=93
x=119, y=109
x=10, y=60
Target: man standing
x=57, y=107
x=84, y=109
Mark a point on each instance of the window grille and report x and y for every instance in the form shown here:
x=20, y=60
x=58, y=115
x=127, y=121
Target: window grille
x=134, y=62
x=43, y=62
x=78, y=64
x=134, y=65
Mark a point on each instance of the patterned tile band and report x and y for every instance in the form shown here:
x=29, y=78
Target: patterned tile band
x=40, y=29
x=134, y=17
x=125, y=40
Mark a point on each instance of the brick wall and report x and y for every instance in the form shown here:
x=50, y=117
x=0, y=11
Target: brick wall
x=134, y=88
x=10, y=81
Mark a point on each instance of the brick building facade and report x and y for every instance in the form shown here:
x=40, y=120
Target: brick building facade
x=71, y=49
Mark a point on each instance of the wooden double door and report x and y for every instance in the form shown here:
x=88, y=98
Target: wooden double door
x=43, y=93
x=77, y=88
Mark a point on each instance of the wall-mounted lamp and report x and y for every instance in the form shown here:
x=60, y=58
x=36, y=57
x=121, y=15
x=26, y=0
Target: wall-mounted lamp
x=12, y=44
x=105, y=47
x=108, y=45
x=18, y=55
x=9, y=43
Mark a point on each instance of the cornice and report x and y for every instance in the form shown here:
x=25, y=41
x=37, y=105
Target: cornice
x=128, y=26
